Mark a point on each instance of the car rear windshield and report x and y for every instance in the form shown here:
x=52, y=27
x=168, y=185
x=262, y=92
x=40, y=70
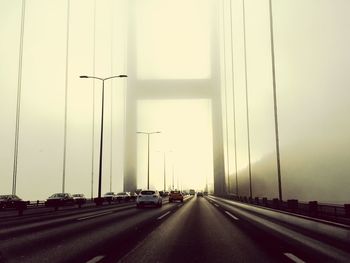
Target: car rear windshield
x=57, y=195
x=147, y=192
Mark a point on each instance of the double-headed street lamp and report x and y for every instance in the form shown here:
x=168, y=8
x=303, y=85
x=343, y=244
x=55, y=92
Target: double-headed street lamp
x=148, y=135
x=99, y=200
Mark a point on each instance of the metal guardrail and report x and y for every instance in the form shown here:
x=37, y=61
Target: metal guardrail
x=333, y=212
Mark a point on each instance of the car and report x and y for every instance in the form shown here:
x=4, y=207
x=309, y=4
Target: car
x=79, y=199
x=199, y=194
x=122, y=196
x=59, y=199
x=133, y=196
x=109, y=197
x=175, y=196
x=149, y=197
x=12, y=201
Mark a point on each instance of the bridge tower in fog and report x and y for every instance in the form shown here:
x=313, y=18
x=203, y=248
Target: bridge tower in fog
x=166, y=89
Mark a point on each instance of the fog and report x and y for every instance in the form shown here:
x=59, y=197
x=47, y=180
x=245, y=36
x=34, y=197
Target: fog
x=179, y=58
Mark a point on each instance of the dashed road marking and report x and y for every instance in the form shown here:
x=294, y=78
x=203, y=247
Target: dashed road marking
x=231, y=215
x=162, y=216
x=294, y=258
x=95, y=259
x=216, y=205
x=179, y=205
x=93, y=216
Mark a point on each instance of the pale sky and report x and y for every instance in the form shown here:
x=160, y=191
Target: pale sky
x=312, y=61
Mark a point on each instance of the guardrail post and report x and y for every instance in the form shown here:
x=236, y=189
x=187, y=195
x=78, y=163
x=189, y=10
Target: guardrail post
x=313, y=207
x=292, y=204
x=264, y=201
x=347, y=209
x=276, y=203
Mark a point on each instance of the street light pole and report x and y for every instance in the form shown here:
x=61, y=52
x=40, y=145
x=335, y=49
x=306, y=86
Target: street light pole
x=275, y=104
x=164, y=166
x=99, y=200
x=148, y=139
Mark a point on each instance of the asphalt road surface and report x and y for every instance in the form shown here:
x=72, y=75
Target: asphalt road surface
x=198, y=230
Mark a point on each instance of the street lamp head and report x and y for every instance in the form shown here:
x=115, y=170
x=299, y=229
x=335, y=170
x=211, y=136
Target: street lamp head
x=123, y=76
x=83, y=77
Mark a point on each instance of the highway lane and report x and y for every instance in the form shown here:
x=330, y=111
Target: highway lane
x=199, y=232
x=34, y=210
x=79, y=237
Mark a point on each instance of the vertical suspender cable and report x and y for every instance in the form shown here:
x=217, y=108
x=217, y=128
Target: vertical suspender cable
x=111, y=120
x=18, y=109
x=124, y=94
x=247, y=100
x=65, y=101
x=93, y=103
x=225, y=90
x=234, y=101
x=275, y=104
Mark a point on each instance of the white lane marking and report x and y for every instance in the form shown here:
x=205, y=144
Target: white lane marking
x=88, y=217
x=95, y=259
x=294, y=258
x=231, y=215
x=216, y=205
x=161, y=217
x=179, y=205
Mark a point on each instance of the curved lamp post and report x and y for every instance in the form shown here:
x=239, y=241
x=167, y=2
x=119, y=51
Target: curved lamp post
x=99, y=199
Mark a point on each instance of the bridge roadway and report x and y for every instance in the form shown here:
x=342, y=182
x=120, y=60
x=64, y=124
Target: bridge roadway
x=198, y=230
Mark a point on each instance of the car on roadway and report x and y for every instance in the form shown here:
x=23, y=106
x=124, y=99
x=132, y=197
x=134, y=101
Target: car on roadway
x=200, y=194
x=122, y=196
x=149, y=197
x=175, y=196
x=12, y=201
x=60, y=199
x=133, y=196
x=79, y=199
x=109, y=197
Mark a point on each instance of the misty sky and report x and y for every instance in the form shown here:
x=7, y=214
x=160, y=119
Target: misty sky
x=312, y=61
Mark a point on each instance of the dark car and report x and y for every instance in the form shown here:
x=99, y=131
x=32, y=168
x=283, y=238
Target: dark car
x=60, y=199
x=175, y=196
x=199, y=194
x=122, y=196
x=12, y=201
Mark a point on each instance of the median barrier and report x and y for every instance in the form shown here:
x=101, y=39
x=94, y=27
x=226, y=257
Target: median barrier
x=347, y=210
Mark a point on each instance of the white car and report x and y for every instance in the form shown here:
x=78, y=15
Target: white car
x=149, y=197
x=109, y=197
